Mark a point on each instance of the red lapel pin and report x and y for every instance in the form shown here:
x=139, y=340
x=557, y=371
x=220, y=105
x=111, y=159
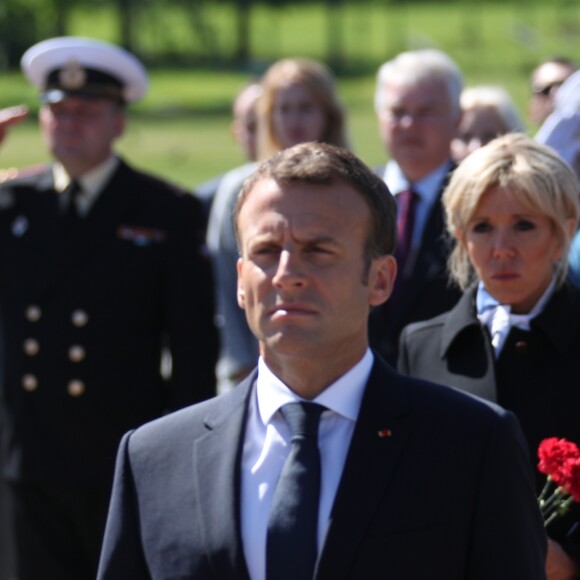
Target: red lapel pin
x=384, y=433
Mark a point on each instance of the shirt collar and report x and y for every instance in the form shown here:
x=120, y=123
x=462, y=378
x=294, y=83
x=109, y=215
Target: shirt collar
x=344, y=396
x=427, y=188
x=91, y=182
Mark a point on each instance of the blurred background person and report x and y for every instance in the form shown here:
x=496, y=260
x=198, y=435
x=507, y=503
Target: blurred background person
x=514, y=337
x=545, y=81
x=102, y=270
x=487, y=112
x=418, y=110
x=298, y=103
x=561, y=131
x=243, y=129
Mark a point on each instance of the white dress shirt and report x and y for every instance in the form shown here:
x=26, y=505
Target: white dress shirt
x=91, y=183
x=427, y=190
x=267, y=444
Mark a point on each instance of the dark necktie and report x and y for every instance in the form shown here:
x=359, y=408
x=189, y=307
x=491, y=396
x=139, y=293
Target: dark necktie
x=406, y=200
x=71, y=216
x=291, y=548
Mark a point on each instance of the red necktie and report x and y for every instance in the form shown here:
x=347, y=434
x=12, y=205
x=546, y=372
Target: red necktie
x=406, y=200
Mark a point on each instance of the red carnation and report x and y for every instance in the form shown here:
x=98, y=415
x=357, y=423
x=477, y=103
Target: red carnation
x=553, y=454
x=560, y=461
x=571, y=482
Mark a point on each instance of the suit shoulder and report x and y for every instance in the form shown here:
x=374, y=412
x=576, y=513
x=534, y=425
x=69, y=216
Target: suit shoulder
x=156, y=185
x=166, y=427
x=183, y=426
x=451, y=404
x=13, y=182
x=426, y=326
x=167, y=197
x=433, y=399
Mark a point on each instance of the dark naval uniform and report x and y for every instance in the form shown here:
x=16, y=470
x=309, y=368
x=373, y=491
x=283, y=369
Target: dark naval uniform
x=86, y=318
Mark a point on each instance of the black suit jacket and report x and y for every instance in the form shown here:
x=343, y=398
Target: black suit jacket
x=449, y=495
x=85, y=322
x=426, y=289
x=536, y=375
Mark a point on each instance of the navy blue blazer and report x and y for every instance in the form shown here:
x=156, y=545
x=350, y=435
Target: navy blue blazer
x=449, y=495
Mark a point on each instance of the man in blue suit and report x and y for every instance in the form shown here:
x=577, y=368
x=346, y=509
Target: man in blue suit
x=417, y=481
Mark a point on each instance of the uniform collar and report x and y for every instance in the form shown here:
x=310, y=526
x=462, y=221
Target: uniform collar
x=91, y=182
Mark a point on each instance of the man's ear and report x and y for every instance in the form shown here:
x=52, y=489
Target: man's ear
x=240, y=293
x=382, y=276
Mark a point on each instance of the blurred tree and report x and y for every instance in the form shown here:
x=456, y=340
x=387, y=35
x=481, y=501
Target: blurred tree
x=243, y=34
x=334, y=33
x=25, y=22
x=19, y=29
x=62, y=10
x=126, y=21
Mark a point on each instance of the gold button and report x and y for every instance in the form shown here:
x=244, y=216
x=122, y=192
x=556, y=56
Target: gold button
x=31, y=346
x=76, y=388
x=79, y=318
x=29, y=383
x=33, y=313
x=76, y=353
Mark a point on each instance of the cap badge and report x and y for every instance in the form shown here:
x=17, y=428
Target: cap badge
x=72, y=75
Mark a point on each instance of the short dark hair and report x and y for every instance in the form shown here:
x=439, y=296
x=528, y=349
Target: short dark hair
x=323, y=164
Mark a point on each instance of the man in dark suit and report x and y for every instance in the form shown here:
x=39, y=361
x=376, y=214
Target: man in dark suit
x=102, y=272
x=417, y=104
x=404, y=479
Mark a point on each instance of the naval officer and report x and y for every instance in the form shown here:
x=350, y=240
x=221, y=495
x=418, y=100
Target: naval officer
x=102, y=270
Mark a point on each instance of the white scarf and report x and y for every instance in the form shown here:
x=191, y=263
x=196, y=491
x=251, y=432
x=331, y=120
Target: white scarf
x=499, y=319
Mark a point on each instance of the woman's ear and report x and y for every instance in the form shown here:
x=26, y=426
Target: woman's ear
x=571, y=226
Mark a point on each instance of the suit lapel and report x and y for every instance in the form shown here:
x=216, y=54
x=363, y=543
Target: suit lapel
x=216, y=461
x=378, y=441
x=114, y=201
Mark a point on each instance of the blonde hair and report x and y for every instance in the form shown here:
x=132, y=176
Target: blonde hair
x=532, y=172
x=496, y=98
x=319, y=81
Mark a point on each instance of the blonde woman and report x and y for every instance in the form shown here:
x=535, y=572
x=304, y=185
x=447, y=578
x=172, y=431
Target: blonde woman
x=514, y=337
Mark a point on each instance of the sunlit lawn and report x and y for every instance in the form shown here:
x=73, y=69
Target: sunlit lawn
x=181, y=130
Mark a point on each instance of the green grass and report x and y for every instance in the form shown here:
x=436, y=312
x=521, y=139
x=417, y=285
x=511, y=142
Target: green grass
x=181, y=130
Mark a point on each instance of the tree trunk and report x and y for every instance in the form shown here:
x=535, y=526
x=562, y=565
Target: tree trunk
x=242, y=50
